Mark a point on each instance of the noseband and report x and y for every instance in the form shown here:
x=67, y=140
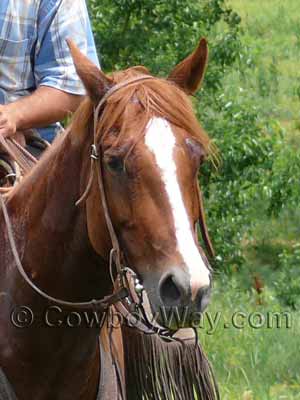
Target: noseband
x=128, y=291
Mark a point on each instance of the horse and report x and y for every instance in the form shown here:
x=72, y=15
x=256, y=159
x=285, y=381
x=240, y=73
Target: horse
x=131, y=155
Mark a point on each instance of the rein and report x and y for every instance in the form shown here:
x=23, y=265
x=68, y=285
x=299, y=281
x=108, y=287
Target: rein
x=93, y=304
x=18, y=153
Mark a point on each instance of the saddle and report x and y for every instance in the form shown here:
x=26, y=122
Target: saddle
x=18, y=155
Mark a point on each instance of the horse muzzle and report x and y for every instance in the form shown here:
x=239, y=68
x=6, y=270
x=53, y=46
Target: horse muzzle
x=173, y=303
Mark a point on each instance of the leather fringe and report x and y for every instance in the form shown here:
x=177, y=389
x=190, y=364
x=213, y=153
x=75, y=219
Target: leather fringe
x=161, y=370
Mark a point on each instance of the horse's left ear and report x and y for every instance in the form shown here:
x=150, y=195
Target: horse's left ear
x=94, y=80
x=189, y=74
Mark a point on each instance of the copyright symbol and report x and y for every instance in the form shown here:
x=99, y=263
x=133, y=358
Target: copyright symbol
x=22, y=317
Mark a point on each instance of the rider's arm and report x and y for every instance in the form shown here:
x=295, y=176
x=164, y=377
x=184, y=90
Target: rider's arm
x=58, y=88
x=45, y=106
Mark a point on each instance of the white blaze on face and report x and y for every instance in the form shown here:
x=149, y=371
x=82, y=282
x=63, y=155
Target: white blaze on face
x=161, y=141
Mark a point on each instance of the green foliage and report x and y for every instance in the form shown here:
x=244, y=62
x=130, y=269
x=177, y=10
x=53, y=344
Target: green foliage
x=288, y=283
x=158, y=33
x=297, y=34
x=268, y=79
x=297, y=88
x=271, y=31
x=274, y=76
x=247, y=156
x=284, y=189
x=264, y=85
x=252, y=364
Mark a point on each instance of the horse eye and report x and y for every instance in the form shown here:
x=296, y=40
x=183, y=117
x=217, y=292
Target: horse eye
x=114, y=163
x=196, y=151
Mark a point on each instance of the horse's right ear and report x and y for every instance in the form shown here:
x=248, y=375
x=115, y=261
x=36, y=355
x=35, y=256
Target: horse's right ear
x=94, y=80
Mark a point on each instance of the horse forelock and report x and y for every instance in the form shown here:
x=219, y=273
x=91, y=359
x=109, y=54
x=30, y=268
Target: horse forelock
x=155, y=98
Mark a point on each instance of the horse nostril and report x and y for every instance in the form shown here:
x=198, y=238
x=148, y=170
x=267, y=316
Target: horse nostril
x=169, y=291
x=202, y=298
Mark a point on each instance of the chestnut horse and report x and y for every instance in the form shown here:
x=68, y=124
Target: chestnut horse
x=151, y=147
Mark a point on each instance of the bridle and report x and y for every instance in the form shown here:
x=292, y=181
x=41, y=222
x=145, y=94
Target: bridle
x=127, y=296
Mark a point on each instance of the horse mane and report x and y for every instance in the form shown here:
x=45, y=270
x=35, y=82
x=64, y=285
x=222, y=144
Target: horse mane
x=159, y=370
x=157, y=97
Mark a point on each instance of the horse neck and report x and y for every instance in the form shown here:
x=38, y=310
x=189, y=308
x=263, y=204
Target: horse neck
x=51, y=231
x=56, y=253
x=54, y=244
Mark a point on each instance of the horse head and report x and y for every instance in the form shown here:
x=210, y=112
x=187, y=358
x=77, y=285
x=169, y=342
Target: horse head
x=151, y=148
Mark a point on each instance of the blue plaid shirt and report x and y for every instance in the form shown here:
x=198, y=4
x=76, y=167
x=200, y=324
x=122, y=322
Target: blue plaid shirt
x=33, y=49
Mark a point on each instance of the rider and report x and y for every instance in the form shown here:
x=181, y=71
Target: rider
x=38, y=82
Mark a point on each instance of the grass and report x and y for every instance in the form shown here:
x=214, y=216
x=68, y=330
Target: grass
x=253, y=364
x=262, y=364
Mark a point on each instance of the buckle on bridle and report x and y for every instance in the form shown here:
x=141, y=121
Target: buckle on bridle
x=138, y=287
x=94, y=152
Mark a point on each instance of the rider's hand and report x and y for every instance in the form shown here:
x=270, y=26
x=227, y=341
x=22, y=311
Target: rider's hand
x=8, y=121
